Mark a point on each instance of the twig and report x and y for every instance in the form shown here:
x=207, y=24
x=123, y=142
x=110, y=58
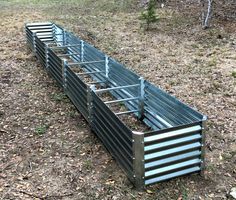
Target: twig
x=31, y=195
x=45, y=197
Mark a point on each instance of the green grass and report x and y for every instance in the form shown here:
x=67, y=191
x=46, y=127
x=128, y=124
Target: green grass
x=212, y=62
x=234, y=74
x=72, y=114
x=60, y=97
x=41, y=130
x=87, y=165
x=184, y=192
x=87, y=5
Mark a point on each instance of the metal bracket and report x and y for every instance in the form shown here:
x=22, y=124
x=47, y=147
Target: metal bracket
x=204, y=119
x=138, y=159
x=54, y=31
x=46, y=56
x=91, y=88
x=107, y=67
x=64, y=72
x=64, y=37
x=141, y=98
x=34, y=42
x=82, y=51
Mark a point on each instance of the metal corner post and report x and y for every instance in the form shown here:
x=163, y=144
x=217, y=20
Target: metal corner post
x=46, y=56
x=54, y=32
x=138, y=160
x=141, y=98
x=34, y=42
x=90, y=104
x=64, y=72
x=107, y=69
x=204, y=120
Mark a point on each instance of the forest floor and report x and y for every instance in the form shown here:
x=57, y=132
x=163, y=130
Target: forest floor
x=46, y=148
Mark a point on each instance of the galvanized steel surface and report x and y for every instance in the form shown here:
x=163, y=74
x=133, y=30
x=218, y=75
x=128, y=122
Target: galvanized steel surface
x=174, y=147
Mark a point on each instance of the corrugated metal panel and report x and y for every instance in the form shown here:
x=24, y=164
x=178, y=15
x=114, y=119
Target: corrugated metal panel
x=114, y=134
x=77, y=92
x=172, y=152
x=55, y=67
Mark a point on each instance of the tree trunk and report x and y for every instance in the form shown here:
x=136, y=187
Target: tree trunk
x=206, y=12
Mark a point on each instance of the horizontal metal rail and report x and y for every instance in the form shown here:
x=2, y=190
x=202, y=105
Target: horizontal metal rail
x=116, y=88
x=68, y=54
x=96, y=82
x=121, y=100
x=46, y=34
x=66, y=46
x=88, y=62
x=88, y=73
x=52, y=42
x=127, y=112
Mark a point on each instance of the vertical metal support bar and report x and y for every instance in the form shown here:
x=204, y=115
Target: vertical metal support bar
x=107, y=66
x=34, y=42
x=90, y=104
x=141, y=98
x=54, y=32
x=64, y=74
x=138, y=160
x=204, y=119
x=82, y=51
x=107, y=69
x=64, y=37
x=46, y=56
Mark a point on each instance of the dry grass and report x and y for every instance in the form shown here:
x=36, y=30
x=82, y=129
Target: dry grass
x=67, y=162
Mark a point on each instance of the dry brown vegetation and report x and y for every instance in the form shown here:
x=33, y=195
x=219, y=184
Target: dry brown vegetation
x=46, y=148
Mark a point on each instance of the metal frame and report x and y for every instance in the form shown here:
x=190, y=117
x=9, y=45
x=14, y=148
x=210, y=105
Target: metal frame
x=176, y=144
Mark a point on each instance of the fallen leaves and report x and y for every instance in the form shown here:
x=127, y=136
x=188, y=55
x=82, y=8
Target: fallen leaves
x=109, y=182
x=149, y=191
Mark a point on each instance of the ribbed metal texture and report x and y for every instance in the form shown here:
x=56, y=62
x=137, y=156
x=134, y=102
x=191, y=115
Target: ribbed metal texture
x=55, y=67
x=77, y=92
x=114, y=134
x=172, y=152
x=173, y=148
x=165, y=111
x=119, y=75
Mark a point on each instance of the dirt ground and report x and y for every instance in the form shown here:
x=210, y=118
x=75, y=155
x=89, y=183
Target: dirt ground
x=46, y=148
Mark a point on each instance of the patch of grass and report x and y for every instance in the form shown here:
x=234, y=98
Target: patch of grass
x=41, y=130
x=60, y=97
x=72, y=114
x=194, y=46
x=88, y=6
x=212, y=62
x=210, y=167
x=184, y=192
x=81, y=125
x=87, y=165
x=234, y=74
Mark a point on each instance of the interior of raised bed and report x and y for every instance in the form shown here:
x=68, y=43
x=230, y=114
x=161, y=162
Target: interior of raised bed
x=160, y=110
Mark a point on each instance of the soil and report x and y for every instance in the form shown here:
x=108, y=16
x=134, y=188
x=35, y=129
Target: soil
x=46, y=148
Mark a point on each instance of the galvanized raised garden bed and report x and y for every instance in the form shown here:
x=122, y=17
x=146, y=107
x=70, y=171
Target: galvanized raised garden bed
x=108, y=95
